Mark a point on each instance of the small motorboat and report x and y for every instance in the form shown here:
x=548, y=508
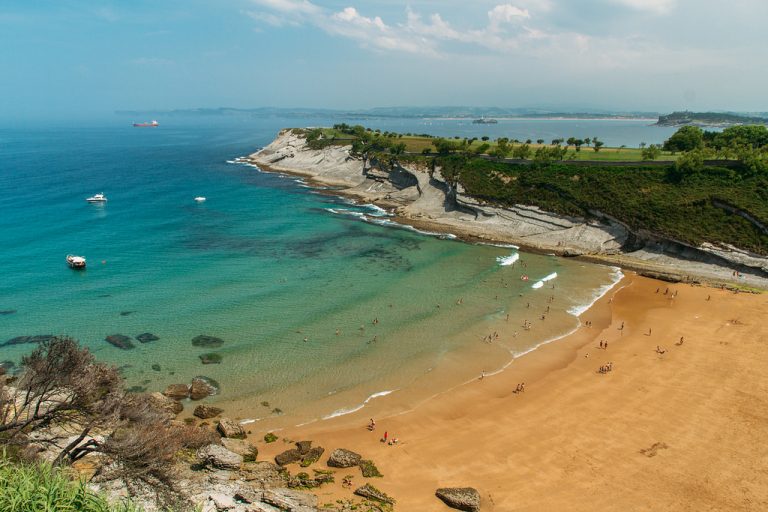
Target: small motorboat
x=97, y=198
x=200, y=199
x=75, y=262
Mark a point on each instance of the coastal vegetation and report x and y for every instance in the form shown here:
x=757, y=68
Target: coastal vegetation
x=711, y=186
x=709, y=119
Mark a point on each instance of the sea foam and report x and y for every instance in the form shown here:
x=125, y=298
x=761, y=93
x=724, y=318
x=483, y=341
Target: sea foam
x=349, y=410
x=539, y=284
x=506, y=261
x=616, y=276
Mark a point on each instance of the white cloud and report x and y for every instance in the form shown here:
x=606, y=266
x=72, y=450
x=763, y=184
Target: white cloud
x=505, y=13
x=652, y=6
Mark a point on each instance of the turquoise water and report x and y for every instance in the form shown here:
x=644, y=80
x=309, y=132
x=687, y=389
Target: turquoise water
x=264, y=264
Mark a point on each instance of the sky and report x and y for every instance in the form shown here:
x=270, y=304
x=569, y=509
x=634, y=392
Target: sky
x=70, y=57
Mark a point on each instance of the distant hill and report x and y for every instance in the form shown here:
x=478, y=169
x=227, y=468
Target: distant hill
x=394, y=112
x=709, y=119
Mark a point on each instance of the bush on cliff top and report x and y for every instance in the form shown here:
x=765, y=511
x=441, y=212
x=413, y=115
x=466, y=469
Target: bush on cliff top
x=25, y=487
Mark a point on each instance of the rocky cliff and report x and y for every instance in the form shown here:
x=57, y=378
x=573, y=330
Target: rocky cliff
x=422, y=198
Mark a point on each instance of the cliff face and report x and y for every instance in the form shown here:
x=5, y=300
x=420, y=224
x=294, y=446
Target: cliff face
x=422, y=197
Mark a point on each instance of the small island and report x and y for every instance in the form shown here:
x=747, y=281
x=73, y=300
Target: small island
x=709, y=119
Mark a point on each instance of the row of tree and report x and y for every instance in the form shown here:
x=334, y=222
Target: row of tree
x=747, y=144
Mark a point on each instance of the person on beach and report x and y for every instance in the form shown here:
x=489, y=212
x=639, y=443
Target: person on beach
x=372, y=425
x=649, y=331
x=386, y=435
x=338, y=331
x=507, y=319
x=482, y=375
x=679, y=342
x=622, y=326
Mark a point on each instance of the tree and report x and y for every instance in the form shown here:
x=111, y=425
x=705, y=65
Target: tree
x=571, y=141
x=690, y=162
x=397, y=149
x=482, y=148
x=578, y=143
x=587, y=141
x=623, y=146
x=687, y=138
x=539, y=141
x=485, y=138
x=522, y=151
x=652, y=152
x=597, y=144
x=642, y=145
x=502, y=149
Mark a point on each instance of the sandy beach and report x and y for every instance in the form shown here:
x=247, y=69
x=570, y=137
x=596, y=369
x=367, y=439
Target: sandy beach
x=680, y=430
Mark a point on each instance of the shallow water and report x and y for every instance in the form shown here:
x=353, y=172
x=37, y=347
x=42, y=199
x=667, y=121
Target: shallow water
x=264, y=264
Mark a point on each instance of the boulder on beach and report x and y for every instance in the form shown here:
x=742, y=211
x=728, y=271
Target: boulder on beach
x=230, y=428
x=210, y=358
x=460, y=498
x=304, y=446
x=312, y=456
x=204, y=340
x=341, y=458
x=370, y=492
x=241, y=447
x=120, y=341
x=177, y=391
x=146, y=337
x=206, y=411
x=202, y=387
x=288, y=457
x=219, y=457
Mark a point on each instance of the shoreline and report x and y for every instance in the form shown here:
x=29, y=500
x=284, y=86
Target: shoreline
x=484, y=435
x=664, y=269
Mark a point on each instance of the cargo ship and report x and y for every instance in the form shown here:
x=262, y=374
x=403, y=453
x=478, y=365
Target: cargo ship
x=150, y=124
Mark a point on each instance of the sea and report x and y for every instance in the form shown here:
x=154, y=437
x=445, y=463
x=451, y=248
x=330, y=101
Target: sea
x=323, y=305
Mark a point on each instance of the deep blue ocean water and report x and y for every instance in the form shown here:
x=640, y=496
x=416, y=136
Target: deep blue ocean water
x=264, y=263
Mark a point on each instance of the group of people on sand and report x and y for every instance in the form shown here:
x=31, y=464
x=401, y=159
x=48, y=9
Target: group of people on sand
x=491, y=337
x=604, y=344
x=520, y=388
x=386, y=439
x=607, y=367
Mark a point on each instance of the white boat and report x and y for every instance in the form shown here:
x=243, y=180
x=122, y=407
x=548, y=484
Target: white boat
x=76, y=262
x=200, y=199
x=97, y=198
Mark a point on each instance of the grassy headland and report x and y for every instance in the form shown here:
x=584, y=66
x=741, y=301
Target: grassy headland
x=714, y=190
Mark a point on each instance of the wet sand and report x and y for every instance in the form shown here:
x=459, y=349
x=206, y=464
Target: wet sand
x=682, y=430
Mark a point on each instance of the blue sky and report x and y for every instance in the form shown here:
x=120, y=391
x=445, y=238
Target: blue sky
x=66, y=57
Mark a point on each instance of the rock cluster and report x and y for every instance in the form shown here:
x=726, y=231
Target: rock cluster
x=199, y=388
x=219, y=457
x=460, y=498
x=146, y=337
x=304, y=454
x=204, y=340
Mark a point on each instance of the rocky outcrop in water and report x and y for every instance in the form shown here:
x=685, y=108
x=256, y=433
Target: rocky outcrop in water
x=460, y=498
x=37, y=338
x=202, y=387
x=146, y=337
x=120, y=341
x=177, y=391
x=211, y=358
x=206, y=341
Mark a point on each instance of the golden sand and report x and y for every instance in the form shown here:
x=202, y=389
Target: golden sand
x=682, y=430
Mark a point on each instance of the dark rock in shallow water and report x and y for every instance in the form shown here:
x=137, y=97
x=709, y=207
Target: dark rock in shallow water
x=156, y=367
x=136, y=389
x=6, y=367
x=7, y=311
x=206, y=412
x=202, y=387
x=204, y=340
x=460, y=498
x=37, y=338
x=126, y=313
x=211, y=358
x=120, y=341
x=146, y=337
